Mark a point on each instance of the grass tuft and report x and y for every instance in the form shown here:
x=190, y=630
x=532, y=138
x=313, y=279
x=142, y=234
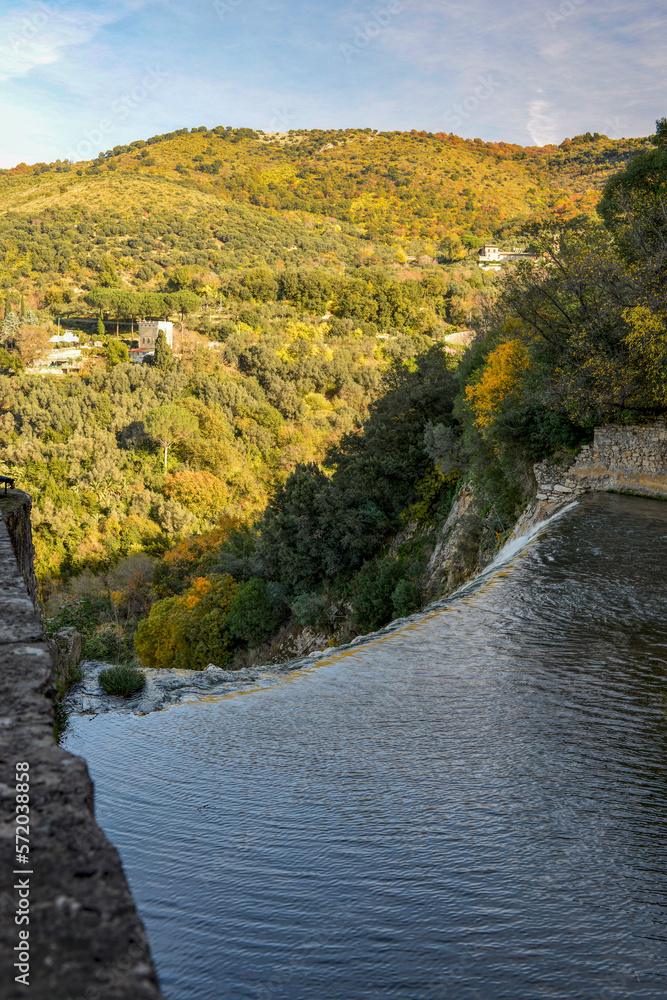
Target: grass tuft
x=123, y=681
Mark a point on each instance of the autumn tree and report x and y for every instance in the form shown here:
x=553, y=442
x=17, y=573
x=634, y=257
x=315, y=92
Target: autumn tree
x=500, y=383
x=31, y=343
x=200, y=491
x=190, y=631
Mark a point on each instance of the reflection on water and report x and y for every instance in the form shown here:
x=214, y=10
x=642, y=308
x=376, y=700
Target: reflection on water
x=471, y=807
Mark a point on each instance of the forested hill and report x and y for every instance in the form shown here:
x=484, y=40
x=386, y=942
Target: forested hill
x=228, y=198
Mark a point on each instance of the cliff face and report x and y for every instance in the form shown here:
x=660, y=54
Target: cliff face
x=86, y=941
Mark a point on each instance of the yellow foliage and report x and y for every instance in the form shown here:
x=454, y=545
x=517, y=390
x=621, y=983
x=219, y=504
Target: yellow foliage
x=647, y=343
x=190, y=631
x=201, y=492
x=500, y=382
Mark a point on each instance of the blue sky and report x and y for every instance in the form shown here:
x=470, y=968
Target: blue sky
x=80, y=76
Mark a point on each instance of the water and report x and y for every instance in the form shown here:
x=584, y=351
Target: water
x=473, y=807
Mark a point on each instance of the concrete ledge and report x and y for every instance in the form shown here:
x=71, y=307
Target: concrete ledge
x=86, y=939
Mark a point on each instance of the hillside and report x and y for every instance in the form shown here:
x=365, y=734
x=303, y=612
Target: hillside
x=323, y=409
x=224, y=200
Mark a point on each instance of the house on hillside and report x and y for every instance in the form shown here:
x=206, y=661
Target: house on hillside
x=489, y=253
x=148, y=331
x=64, y=338
x=491, y=256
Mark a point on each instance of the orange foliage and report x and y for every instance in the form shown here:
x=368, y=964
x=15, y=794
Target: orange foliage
x=500, y=381
x=190, y=551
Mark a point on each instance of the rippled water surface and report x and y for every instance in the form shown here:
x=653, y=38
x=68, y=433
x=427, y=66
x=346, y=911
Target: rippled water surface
x=472, y=807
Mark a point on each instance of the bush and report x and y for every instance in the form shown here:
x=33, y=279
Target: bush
x=123, y=681
x=310, y=609
x=254, y=613
x=407, y=598
x=373, y=588
x=107, y=642
x=83, y=615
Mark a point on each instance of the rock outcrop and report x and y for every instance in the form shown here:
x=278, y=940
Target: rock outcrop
x=66, y=650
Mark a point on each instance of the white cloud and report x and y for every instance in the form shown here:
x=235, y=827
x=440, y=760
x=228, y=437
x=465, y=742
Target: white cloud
x=41, y=33
x=560, y=75
x=39, y=36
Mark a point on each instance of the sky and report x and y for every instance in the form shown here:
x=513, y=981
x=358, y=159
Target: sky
x=80, y=76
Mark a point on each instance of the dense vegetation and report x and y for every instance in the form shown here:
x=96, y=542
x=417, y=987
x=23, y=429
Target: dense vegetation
x=195, y=509
x=221, y=200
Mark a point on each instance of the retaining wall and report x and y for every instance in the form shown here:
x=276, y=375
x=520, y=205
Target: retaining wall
x=629, y=459
x=86, y=941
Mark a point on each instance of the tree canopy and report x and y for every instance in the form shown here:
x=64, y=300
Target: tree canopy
x=168, y=424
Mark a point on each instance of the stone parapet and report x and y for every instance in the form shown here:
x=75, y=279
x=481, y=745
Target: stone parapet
x=86, y=941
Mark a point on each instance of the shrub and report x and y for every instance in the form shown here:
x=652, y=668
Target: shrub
x=107, y=642
x=372, y=594
x=123, y=681
x=254, y=613
x=310, y=609
x=83, y=615
x=407, y=598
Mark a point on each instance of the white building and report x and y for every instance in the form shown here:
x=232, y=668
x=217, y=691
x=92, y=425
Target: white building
x=64, y=338
x=148, y=331
x=490, y=256
x=489, y=252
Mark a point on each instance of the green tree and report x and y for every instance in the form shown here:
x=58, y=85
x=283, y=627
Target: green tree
x=163, y=358
x=108, y=273
x=254, y=615
x=101, y=331
x=155, y=305
x=53, y=299
x=184, y=303
x=10, y=364
x=452, y=248
x=116, y=354
x=168, y=424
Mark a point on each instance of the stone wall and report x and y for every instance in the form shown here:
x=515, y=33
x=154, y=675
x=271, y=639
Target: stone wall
x=86, y=939
x=629, y=459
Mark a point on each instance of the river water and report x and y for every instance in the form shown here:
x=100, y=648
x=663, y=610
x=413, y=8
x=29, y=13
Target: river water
x=474, y=806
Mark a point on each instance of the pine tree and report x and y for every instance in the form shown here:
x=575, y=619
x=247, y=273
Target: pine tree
x=8, y=305
x=101, y=332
